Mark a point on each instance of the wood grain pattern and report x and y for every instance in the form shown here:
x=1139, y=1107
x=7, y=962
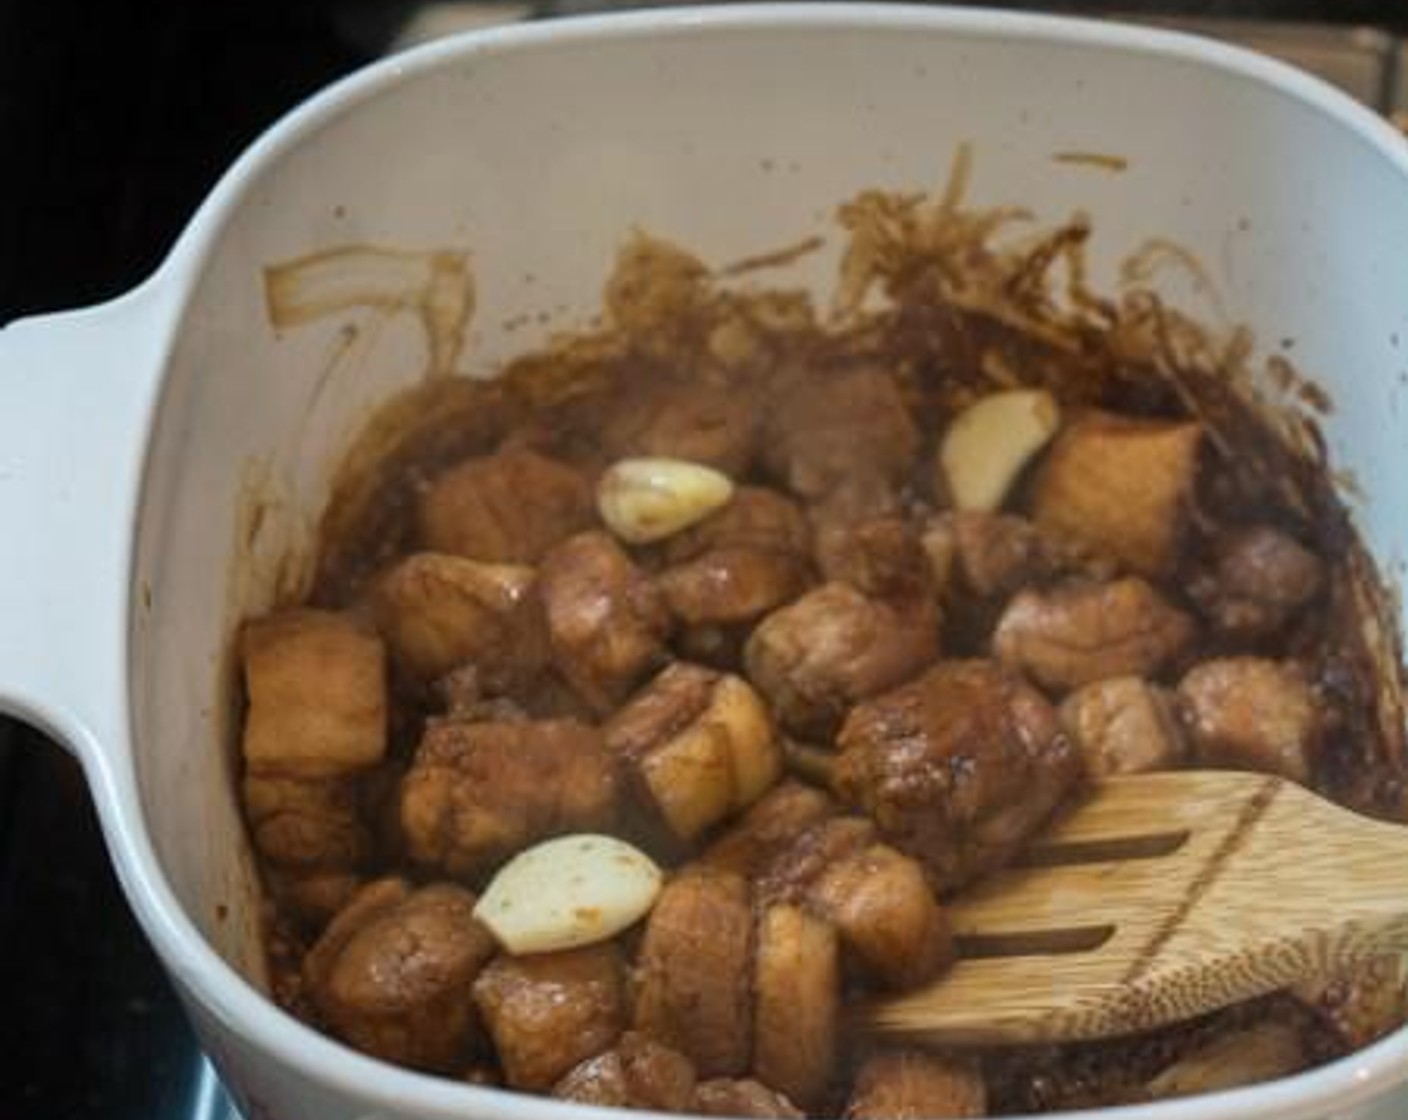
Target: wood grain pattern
x=1161, y=897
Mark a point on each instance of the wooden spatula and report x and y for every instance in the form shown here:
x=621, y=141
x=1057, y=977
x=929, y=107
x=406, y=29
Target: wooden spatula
x=1161, y=897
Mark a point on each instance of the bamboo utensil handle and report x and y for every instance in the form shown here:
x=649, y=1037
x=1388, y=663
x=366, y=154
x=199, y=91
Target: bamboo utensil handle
x=1159, y=898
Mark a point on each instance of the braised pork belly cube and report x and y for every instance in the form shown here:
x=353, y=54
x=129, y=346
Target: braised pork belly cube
x=758, y=518
x=1252, y=713
x=316, y=685
x=893, y=932
x=796, y=1002
x=982, y=555
x=477, y=792
x=700, y=421
x=829, y=431
x=891, y=925
x=794, y=869
x=694, y=971
x=880, y=556
x=914, y=1085
x=815, y=658
x=770, y=827
x=730, y=586
x=637, y=1072
x=736, y=565
x=1124, y=725
x=743, y=1099
x=509, y=507
x=306, y=825
x=1256, y=583
x=1072, y=635
x=392, y=973
x=957, y=768
x=696, y=747
x=439, y=613
x=607, y=621
x=547, y=1012
x=316, y=725
x=309, y=900
x=991, y=556
x=1123, y=486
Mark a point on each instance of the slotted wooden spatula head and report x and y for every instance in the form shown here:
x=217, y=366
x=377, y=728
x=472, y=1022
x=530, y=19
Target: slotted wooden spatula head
x=1158, y=898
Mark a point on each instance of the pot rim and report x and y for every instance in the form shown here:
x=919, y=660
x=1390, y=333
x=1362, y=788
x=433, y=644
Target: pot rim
x=249, y=1013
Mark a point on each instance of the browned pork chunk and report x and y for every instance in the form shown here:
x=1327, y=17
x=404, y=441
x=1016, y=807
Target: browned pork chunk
x=1124, y=725
x=1257, y=581
x=816, y=657
x=768, y=828
x=607, y=621
x=478, y=792
x=796, y=1002
x=728, y=586
x=745, y=1099
x=506, y=508
x=913, y=1085
x=892, y=929
x=757, y=518
x=392, y=973
x=891, y=925
x=316, y=685
x=1254, y=714
x=993, y=555
x=1123, y=486
x=548, y=1011
x=880, y=556
x=635, y=1073
x=696, y=746
x=315, y=728
x=795, y=868
x=438, y=613
x=983, y=555
x=850, y=431
x=735, y=566
x=694, y=972
x=957, y=768
x=1073, y=635
x=307, y=825
x=701, y=421
x=310, y=899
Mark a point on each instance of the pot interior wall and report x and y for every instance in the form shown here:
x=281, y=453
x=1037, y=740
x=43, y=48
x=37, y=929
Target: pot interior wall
x=538, y=159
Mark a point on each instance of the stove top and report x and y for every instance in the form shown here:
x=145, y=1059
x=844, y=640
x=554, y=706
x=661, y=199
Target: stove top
x=92, y=1029
x=151, y=102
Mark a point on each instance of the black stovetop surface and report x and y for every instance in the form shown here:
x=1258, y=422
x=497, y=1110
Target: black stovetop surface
x=115, y=119
x=93, y=1029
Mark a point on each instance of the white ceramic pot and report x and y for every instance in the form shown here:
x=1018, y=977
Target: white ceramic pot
x=133, y=436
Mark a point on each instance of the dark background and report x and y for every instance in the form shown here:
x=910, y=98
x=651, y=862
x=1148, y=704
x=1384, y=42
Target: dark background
x=117, y=116
x=115, y=119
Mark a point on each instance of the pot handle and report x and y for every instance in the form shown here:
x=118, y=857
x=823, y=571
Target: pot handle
x=76, y=392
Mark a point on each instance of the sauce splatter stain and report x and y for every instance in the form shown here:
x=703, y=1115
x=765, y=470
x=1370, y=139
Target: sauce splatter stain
x=1101, y=161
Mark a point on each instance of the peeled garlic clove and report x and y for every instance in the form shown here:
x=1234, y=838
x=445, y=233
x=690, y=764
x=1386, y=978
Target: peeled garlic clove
x=988, y=443
x=571, y=891
x=644, y=500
